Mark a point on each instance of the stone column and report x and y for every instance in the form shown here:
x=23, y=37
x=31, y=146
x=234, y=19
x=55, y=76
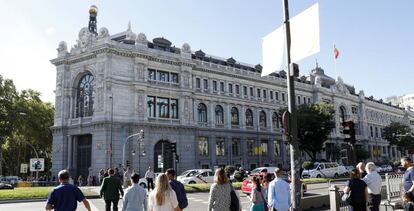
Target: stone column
x=69, y=151
x=227, y=115
x=242, y=117
x=213, y=156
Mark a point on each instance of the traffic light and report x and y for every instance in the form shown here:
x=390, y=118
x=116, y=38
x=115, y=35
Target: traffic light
x=173, y=147
x=349, y=131
x=128, y=163
x=177, y=159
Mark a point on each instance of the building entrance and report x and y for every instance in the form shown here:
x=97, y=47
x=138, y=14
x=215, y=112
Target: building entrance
x=163, y=158
x=84, y=156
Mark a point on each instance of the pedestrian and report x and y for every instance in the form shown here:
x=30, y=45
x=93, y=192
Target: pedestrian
x=127, y=178
x=408, y=181
x=178, y=187
x=374, y=184
x=80, y=180
x=110, y=189
x=101, y=176
x=279, y=193
x=257, y=196
x=90, y=180
x=220, y=190
x=118, y=174
x=358, y=192
x=66, y=196
x=135, y=196
x=361, y=168
x=408, y=205
x=163, y=198
x=149, y=176
x=265, y=184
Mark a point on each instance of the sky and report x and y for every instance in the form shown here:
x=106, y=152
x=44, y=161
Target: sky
x=375, y=37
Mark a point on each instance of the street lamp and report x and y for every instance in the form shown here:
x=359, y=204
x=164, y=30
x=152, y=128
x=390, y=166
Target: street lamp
x=125, y=143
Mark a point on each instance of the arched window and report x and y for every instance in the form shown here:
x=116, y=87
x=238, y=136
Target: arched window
x=219, y=115
x=342, y=112
x=234, y=116
x=249, y=118
x=85, y=96
x=202, y=112
x=275, y=120
x=262, y=119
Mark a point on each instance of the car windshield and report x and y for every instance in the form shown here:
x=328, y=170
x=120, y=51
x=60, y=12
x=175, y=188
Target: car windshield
x=189, y=173
x=257, y=170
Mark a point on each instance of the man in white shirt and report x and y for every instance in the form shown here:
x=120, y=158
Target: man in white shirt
x=149, y=176
x=135, y=198
x=374, y=184
x=279, y=193
x=127, y=178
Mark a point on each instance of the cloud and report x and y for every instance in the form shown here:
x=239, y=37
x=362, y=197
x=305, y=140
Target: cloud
x=25, y=51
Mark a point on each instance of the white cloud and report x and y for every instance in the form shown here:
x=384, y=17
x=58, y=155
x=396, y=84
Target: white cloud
x=25, y=51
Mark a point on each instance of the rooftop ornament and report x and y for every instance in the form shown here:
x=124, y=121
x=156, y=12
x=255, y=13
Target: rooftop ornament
x=93, y=12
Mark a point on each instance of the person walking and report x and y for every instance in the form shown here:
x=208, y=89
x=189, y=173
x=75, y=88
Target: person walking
x=358, y=191
x=178, y=187
x=66, y=196
x=361, y=168
x=257, y=196
x=110, y=189
x=127, y=177
x=220, y=190
x=101, y=176
x=149, y=176
x=267, y=178
x=279, y=193
x=90, y=180
x=163, y=197
x=408, y=181
x=374, y=184
x=80, y=180
x=135, y=196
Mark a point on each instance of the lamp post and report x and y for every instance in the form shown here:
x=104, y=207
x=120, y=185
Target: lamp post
x=126, y=141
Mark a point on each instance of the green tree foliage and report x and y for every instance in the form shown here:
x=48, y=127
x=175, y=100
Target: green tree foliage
x=398, y=134
x=24, y=120
x=361, y=154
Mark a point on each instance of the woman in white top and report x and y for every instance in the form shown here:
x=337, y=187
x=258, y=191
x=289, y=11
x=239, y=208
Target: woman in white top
x=163, y=197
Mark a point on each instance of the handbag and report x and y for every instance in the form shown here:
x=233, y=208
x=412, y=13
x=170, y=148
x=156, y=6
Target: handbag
x=234, y=203
x=346, y=197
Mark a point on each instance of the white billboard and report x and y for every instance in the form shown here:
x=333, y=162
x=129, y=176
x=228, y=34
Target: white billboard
x=37, y=164
x=23, y=168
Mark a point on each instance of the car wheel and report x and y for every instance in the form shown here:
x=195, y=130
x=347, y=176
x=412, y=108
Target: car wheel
x=191, y=182
x=336, y=175
x=143, y=185
x=318, y=176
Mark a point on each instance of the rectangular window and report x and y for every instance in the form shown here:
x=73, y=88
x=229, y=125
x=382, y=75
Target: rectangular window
x=231, y=88
x=283, y=97
x=220, y=147
x=222, y=86
x=309, y=101
x=276, y=148
x=162, y=107
x=174, y=78
x=151, y=74
x=298, y=100
x=354, y=110
x=251, y=147
x=151, y=106
x=174, y=108
x=376, y=132
x=277, y=95
x=263, y=147
x=163, y=76
x=237, y=89
x=271, y=95
x=304, y=100
x=251, y=91
x=198, y=83
x=205, y=82
x=202, y=146
x=215, y=86
x=235, y=147
x=245, y=90
x=258, y=93
x=264, y=94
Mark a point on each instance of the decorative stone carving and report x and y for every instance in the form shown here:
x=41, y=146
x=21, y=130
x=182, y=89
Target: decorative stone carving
x=62, y=49
x=130, y=36
x=318, y=81
x=103, y=33
x=186, y=48
x=142, y=39
x=85, y=40
x=340, y=87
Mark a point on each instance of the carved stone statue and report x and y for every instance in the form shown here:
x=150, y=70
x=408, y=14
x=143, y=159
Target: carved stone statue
x=62, y=48
x=103, y=33
x=318, y=81
x=186, y=48
x=142, y=39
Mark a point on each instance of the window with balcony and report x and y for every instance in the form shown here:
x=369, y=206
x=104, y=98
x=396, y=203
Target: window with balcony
x=262, y=119
x=249, y=118
x=202, y=112
x=234, y=116
x=219, y=115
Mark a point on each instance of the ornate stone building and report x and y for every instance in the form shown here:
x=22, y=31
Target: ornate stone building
x=217, y=111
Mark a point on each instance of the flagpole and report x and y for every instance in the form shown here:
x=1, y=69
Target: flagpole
x=292, y=133
x=334, y=57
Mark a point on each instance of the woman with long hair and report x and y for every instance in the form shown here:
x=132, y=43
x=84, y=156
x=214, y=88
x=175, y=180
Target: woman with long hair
x=258, y=198
x=358, y=191
x=219, y=199
x=163, y=197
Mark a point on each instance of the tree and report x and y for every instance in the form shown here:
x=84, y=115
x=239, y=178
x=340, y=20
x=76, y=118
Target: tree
x=361, y=154
x=399, y=135
x=314, y=126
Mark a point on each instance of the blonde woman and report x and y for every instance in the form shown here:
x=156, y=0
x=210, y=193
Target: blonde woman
x=219, y=199
x=163, y=197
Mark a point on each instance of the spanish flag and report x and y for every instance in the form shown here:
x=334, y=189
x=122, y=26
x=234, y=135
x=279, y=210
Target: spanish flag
x=336, y=52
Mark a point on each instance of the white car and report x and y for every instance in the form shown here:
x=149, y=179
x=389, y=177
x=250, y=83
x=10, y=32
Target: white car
x=195, y=176
x=324, y=169
x=143, y=182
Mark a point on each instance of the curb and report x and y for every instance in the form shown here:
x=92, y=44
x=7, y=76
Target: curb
x=39, y=199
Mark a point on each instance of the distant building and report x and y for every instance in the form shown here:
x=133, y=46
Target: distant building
x=405, y=101
x=217, y=111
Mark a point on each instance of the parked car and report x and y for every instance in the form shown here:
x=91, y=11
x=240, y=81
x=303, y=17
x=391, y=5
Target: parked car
x=5, y=186
x=384, y=168
x=194, y=176
x=324, y=169
x=143, y=182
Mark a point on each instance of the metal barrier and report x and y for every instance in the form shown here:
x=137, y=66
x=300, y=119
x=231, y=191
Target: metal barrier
x=394, y=184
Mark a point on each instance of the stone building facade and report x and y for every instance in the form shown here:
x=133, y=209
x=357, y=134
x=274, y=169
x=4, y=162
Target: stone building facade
x=217, y=111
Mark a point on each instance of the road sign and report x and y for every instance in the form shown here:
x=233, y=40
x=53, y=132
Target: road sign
x=37, y=164
x=23, y=168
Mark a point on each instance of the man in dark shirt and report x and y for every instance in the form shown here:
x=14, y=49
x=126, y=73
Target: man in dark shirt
x=178, y=188
x=65, y=197
x=110, y=189
x=408, y=184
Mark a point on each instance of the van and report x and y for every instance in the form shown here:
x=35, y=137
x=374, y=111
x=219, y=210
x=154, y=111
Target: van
x=324, y=169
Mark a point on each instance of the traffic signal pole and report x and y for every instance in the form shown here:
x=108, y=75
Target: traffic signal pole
x=293, y=130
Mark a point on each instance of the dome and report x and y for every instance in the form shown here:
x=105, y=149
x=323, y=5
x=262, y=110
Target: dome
x=162, y=42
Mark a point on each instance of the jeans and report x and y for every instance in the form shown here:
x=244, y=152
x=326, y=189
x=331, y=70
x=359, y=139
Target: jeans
x=374, y=202
x=108, y=205
x=150, y=184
